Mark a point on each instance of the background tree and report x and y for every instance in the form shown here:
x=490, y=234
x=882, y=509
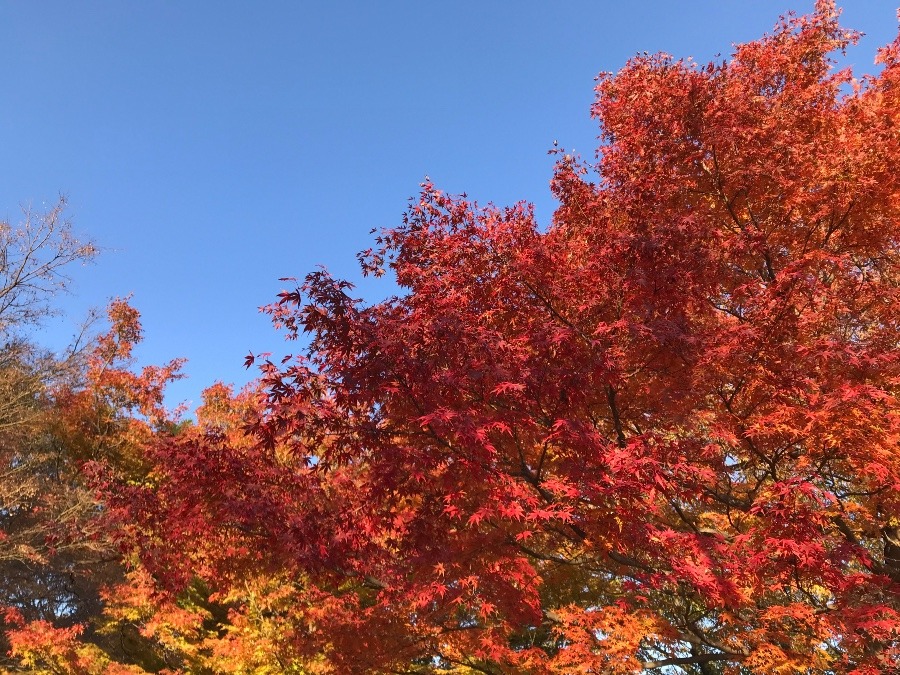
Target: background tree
x=58, y=411
x=34, y=258
x=62, y=590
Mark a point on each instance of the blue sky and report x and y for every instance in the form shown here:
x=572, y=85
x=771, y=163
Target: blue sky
x=213, y=147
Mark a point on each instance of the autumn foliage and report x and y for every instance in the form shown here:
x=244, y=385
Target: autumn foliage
x=660, y=434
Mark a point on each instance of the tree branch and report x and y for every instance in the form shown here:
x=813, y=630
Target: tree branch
x=689, y=660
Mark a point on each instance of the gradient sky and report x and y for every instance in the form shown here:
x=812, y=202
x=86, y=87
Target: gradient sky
x=213, y=147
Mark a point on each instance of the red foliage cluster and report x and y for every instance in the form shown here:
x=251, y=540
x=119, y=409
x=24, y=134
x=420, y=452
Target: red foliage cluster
x=661, y=433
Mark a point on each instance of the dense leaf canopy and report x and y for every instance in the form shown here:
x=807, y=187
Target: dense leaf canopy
x=660, y=434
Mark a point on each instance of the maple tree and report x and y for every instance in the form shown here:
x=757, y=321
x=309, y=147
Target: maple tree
x=58, y=411
x=659, y=435
x=61, y=569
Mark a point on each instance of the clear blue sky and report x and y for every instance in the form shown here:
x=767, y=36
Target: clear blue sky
x=213, y=147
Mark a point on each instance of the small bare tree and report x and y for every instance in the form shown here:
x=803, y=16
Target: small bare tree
x=34, y=258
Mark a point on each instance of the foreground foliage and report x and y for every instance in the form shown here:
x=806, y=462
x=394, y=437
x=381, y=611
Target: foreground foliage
x=661, y=434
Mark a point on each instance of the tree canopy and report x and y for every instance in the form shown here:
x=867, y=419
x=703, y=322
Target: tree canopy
x=661, y=434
